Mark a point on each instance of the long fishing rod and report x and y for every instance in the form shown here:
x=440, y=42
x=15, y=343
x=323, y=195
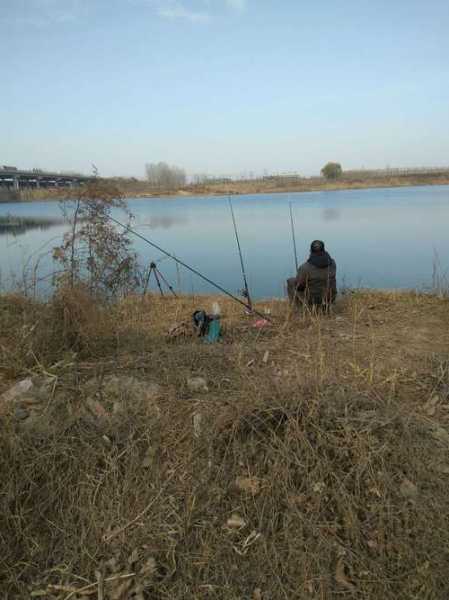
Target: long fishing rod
x=246, y=293
x=293, y=236
x=189, y=268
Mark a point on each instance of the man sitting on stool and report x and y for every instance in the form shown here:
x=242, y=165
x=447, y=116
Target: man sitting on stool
x=315, y=283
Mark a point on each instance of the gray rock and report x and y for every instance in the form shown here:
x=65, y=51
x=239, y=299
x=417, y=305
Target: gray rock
x=197, y=384
x=17, y=391
x=197, y=424
x=119, y=392
x=130, y=388
x=21, y=413
x=441, y=435
x=31, y=393
x=408, y=489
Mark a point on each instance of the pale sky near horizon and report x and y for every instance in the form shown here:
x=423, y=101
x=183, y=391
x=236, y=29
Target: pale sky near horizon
x=224, y=86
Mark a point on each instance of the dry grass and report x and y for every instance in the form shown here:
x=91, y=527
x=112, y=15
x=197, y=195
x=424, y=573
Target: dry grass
x=330, y=421
x=304, y=185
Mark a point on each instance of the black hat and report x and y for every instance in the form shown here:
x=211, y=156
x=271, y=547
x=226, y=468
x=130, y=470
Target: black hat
x=317, y=246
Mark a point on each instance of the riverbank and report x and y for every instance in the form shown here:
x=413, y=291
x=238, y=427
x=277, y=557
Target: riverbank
x=315, y=185
x=140, y=189
x=303, y=459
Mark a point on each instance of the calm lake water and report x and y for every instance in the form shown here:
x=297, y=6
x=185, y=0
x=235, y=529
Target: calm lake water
x=382, y=238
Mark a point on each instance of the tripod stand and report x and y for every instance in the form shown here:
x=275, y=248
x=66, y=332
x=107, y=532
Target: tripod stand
x=158, y=277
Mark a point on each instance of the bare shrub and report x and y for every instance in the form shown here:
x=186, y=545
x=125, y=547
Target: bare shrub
x=93, y=252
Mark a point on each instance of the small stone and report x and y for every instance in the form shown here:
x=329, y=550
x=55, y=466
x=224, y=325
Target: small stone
x=123, y=391
x=440, y=434
x=257, y=594
x=17, y=390
x=250, y=485
x=153, y=391
x=197, y=420
x=266, y=356
x=130, y=388
x=21, y=413
x=197, y=384
x=430, y=406
x=235, y=522
x=408, y=489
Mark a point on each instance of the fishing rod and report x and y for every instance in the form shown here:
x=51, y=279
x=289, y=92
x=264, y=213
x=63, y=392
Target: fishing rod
x=246, y=293
x=189, y=268
x=293, y=235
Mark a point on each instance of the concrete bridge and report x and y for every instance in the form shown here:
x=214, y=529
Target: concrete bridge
x=16, y=179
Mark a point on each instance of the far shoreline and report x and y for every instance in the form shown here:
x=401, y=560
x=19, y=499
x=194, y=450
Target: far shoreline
x=238, y=188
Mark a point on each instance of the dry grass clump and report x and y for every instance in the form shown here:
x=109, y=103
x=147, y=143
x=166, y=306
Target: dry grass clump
x=34, y=334
x=79, y=323
x=312, y=464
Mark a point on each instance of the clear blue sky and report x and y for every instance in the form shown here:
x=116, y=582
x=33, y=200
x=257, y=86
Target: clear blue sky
x=224, y=86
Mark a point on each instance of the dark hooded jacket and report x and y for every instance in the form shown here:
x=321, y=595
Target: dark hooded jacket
x=317, y=278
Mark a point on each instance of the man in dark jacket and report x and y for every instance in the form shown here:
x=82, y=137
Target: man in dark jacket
x=315, y=283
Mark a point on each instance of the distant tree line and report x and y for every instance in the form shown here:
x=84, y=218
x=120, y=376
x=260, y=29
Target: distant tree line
x=165, y=177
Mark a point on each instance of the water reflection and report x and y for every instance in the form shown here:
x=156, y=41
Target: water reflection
x=15, y=226
x=163, y=222
x=331, y=214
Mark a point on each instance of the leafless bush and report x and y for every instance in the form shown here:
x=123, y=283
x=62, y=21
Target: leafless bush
x=94, y=252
